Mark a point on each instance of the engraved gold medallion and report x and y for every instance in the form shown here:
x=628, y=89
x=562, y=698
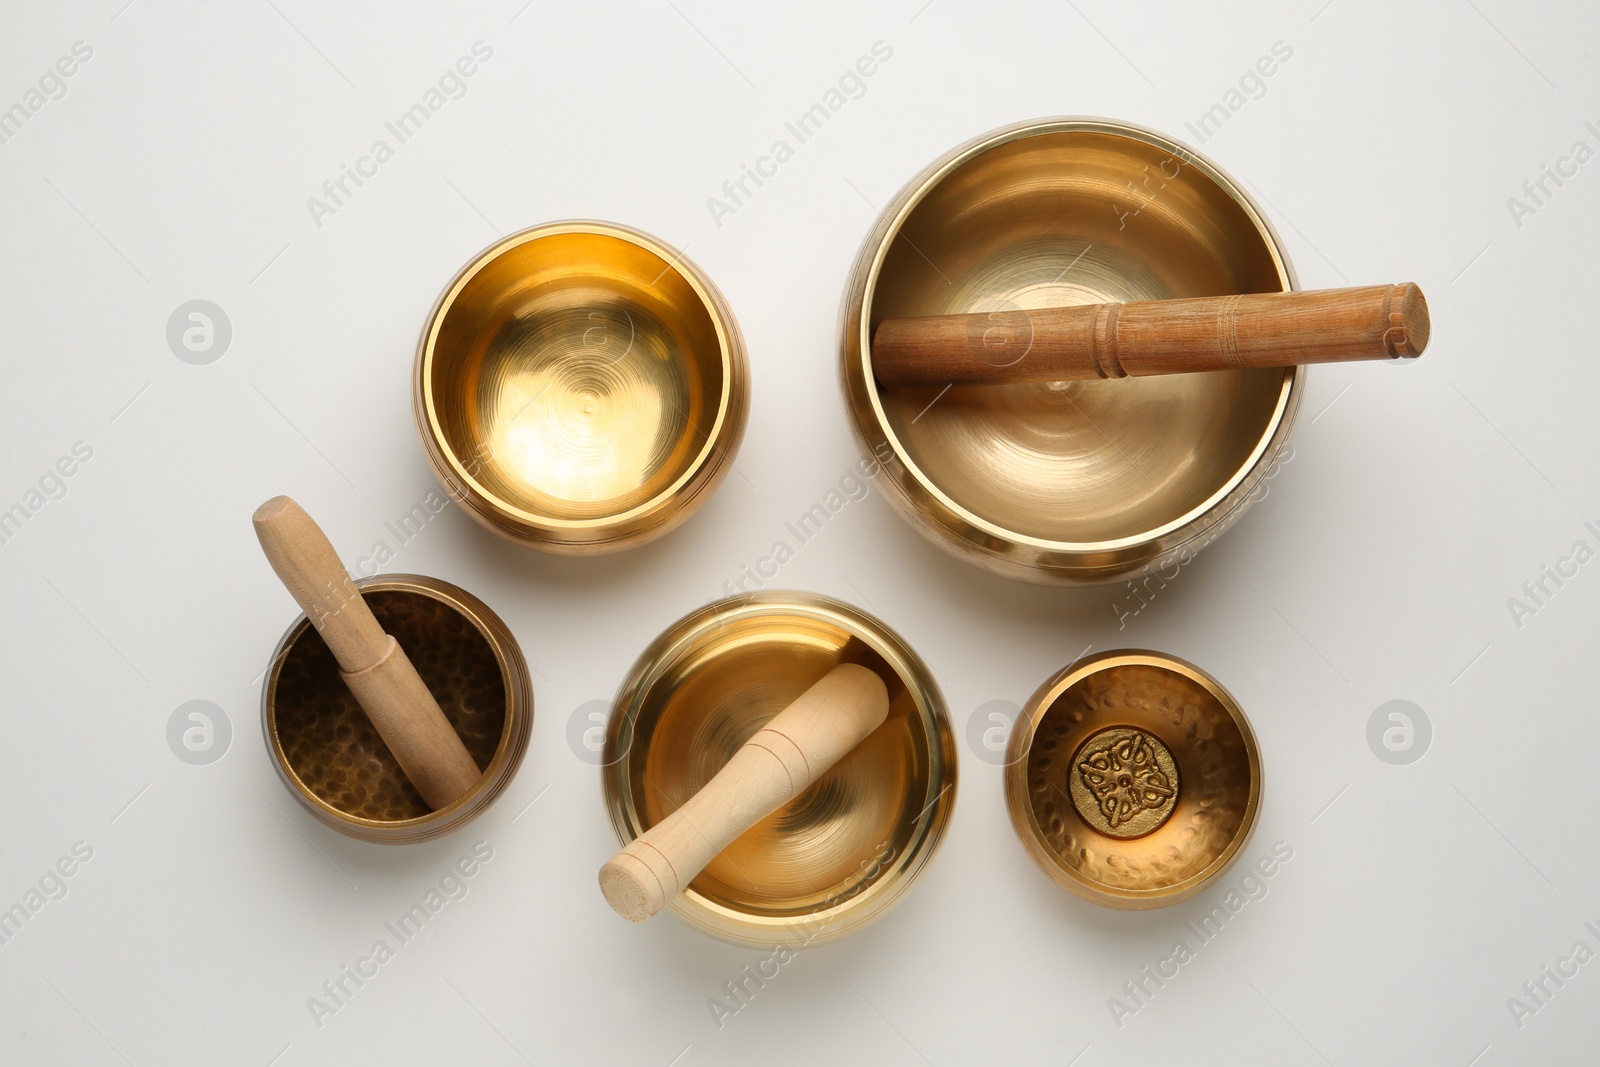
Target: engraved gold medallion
x=1124, y=782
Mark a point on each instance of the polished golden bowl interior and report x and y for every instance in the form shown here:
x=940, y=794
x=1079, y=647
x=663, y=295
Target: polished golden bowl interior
x=1139, y=780
x=854, y=840
x=1069, y=217
x=330, y=746
x=576, y=376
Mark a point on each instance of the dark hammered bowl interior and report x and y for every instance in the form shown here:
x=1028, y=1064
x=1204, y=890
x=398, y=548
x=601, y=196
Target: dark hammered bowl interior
x=329, y=742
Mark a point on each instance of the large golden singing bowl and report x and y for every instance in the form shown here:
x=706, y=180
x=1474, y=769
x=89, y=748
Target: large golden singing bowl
x=1133, y=779
x=581, y=388
x=326, y=750
x=843, y=852
x=1071, y=482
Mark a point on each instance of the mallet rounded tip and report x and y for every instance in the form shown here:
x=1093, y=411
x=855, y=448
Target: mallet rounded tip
x=272, y=509
x=1412, y=307
x=626, y=891
x=875, y=706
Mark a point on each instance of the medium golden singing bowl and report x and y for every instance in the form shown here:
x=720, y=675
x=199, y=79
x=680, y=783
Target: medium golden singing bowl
x=328, y=753
x=581, y=387
x=1068, y=483
x=843, y=852
x=1133, y=779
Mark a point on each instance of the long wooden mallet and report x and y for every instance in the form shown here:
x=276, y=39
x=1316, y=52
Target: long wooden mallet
x=1153, y=337
x=372, y=663
x=776, y=765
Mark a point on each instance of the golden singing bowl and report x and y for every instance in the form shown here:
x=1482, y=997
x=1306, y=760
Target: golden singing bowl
x=1133, y=779
x=1068, y=483
x=328, y=753
x=581, y=388
x=843, y=852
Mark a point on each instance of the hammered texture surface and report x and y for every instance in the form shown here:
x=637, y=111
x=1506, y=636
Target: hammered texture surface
x=331, y=745
x=1213, y=768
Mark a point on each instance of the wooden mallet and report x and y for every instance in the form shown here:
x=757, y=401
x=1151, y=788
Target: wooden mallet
x=776, y=765
x=1153, y=337
x=372, y=663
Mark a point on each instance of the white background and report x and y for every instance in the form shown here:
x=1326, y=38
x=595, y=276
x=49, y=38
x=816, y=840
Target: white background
x=1419, y=898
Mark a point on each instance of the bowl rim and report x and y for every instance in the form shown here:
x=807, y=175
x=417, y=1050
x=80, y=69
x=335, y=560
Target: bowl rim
x=508, y=752
x=836, y=917
x=729, y=348
x=1024, y=819
x=917, y=189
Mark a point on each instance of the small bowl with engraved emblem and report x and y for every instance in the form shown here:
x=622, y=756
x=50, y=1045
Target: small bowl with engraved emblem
x=1133, y=779
x=327, y=751
x=581, y=388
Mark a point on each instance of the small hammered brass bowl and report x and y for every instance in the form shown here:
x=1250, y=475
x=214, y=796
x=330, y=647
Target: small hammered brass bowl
x=1068, y=483
x=846, y=850
x=325, y=748
x=581, y=387
x=1133, y=779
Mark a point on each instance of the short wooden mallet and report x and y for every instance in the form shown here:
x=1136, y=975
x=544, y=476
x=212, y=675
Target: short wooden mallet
x=371, y=662
x=783, y=758
x=1209, y=333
